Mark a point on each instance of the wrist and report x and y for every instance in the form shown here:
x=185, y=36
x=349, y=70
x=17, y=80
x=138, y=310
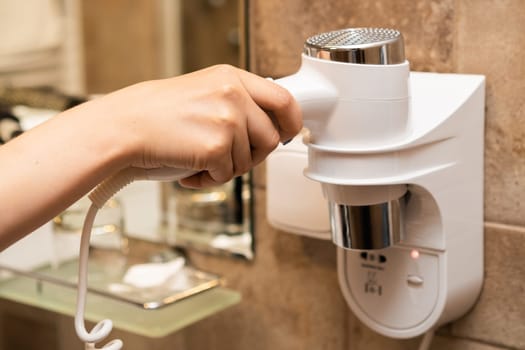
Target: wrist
x=100, y=132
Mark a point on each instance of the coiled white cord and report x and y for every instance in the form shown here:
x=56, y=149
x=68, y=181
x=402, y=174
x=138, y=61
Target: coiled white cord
x=104, y=327
x=99, y=197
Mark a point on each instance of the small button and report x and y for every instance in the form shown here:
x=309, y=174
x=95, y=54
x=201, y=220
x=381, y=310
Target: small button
x=382, y=259
x=364, y=255
x=415, y=280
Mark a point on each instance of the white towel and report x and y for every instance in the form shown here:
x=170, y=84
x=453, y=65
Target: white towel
x=154, y=274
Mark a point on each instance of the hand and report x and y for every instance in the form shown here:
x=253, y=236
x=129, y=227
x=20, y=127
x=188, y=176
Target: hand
x=221, y=121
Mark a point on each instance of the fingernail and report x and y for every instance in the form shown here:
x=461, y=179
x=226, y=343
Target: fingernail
x=287, y=142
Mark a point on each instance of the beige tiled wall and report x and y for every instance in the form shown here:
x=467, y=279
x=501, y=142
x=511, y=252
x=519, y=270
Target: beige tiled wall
x=291, y=298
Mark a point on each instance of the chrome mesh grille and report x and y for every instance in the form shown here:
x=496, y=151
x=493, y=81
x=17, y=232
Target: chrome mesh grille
x=358, y=45
x=353, y=37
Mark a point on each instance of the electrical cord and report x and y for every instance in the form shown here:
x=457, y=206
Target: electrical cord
x=104, y=327
x=99, y=197
x=426, y=340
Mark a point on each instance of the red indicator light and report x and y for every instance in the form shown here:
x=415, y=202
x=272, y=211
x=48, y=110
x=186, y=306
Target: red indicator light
x=414, y=254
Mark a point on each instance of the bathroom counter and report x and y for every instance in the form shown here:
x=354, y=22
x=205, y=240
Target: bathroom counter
x=54, y=289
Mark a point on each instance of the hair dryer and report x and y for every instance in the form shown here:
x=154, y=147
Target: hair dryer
x=353, y=90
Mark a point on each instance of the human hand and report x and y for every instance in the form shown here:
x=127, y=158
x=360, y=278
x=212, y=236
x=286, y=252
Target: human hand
x=220, y=121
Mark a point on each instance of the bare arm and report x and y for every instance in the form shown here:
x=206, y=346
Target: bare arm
x=212, y=120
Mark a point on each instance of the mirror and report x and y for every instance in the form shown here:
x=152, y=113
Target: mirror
x=216, y=219
x=107, y=45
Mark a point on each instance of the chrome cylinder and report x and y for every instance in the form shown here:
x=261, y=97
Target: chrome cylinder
x=374, y=226
x=358, y=45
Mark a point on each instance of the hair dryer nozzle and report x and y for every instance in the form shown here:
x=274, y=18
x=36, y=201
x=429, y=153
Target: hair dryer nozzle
x=365, y=217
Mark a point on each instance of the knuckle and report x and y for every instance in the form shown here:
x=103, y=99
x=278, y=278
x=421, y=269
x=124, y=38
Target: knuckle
x=218, y=144
x=225, y=175
x=216, y=148
x=284, y=98
x=226, y=120
x=242, y=168
x=272, y=142
x=225, y=69
x=230, y=92
x=230, y=87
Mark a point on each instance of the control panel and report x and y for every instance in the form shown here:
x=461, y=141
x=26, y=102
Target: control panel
x=377, y=278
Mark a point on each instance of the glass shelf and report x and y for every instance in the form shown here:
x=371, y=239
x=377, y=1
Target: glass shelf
x=151, y=312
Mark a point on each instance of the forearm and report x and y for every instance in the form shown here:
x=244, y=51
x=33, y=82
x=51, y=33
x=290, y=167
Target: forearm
x=49, y=167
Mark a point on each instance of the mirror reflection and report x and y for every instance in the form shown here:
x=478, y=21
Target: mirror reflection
x=92, y=47
x=215, y=219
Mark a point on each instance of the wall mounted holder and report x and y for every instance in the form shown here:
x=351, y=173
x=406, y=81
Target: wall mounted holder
x=399, y=156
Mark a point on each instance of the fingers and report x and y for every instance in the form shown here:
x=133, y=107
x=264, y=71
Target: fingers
x=276, y=99
x=241, y=151
x=220, y=171
x=199, y=180
x=248, y=118
x=263, y=134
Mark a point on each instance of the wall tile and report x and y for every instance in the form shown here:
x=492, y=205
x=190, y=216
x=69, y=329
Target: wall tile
x=489, y=42
x=499, y=315
x=363, y=338
x=443, y=342
x=17, y=321
x=277, y=30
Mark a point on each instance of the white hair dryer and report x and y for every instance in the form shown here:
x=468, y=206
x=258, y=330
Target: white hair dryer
x=354, y=94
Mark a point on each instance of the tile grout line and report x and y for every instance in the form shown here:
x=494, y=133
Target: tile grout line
x=480, y=341
x=503, y=226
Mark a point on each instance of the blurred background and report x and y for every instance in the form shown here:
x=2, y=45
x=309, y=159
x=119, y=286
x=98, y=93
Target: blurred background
x=155, y=39
x=96, y=46
x=55, y=54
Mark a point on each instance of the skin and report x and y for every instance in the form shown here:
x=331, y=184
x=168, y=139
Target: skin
x=221, y=121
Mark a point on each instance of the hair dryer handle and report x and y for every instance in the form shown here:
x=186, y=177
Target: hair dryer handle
x=109, y=187
x=168, y=174
x=316, y=96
